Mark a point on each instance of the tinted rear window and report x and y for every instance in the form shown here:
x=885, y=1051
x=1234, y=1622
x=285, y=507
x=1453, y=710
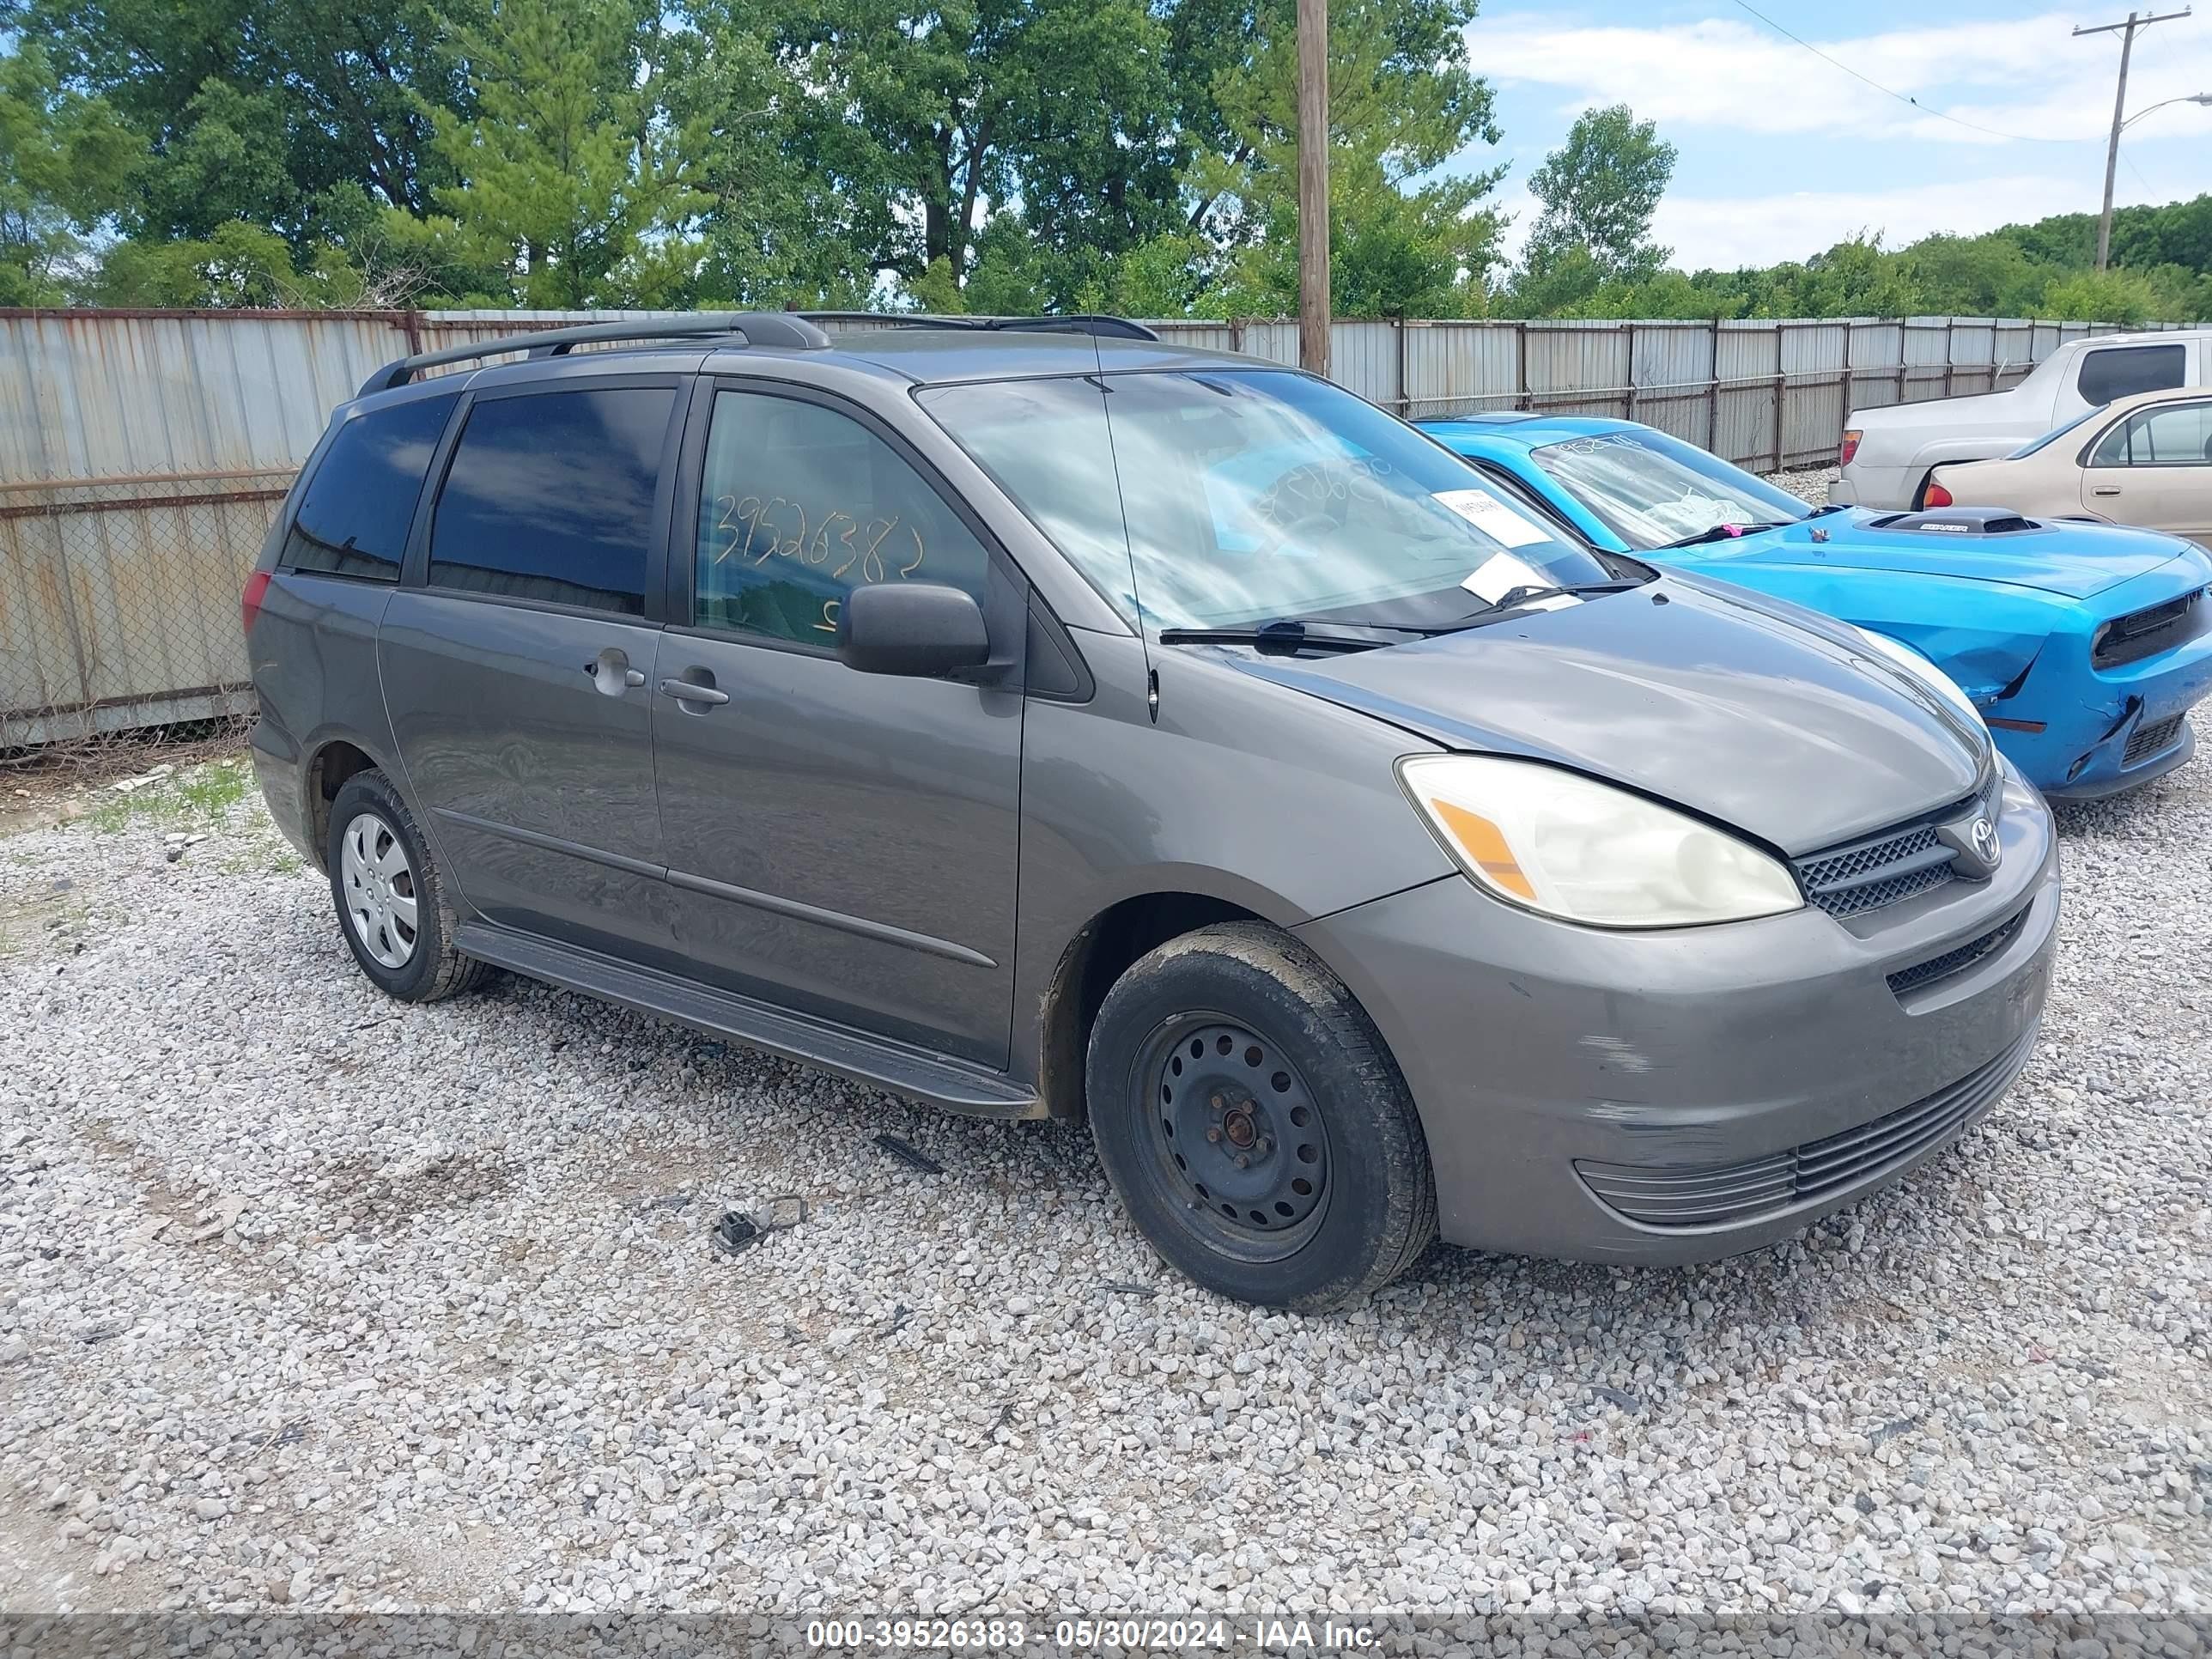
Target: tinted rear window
x=353, y=518
x=2122, y=371
x=549, y=497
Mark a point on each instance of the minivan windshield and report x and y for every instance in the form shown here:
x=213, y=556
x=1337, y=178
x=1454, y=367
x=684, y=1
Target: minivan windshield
x=1224, y=498
x=1654, y=491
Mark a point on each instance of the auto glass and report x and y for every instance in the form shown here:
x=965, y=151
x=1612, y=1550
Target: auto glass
x=1651, y=489
x=2053, y=435
x=1225, y=498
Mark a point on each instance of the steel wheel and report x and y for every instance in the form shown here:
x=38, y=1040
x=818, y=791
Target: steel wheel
x=1237, y=1139
x=379, y=890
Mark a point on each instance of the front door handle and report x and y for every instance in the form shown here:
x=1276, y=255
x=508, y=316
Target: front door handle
x=692, y=691
x=2104, y=489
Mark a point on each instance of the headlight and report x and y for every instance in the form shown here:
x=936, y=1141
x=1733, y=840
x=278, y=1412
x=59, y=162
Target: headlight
x=1926, y=672
x=1573, y=848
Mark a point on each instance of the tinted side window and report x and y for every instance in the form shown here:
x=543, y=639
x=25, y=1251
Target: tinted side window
x=2122, y=371
x=549, y=497
x=800, y=504
x=353, y=518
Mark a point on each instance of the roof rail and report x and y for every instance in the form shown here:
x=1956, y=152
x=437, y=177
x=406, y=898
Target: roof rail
x=756, y=328
x=1115, y=328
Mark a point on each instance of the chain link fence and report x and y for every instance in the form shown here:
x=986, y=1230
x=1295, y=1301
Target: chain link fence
x=118, y=601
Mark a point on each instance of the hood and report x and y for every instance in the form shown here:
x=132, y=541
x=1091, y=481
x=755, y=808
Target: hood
x=1714, y=700
x=2075, y=560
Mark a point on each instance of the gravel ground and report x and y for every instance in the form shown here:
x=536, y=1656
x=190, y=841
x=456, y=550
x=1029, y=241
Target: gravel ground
x=310, y=1300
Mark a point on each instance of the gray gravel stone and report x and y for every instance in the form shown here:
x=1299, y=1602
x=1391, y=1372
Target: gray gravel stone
x=443, y=1351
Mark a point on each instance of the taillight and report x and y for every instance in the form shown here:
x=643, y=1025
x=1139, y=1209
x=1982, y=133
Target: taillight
x=249, y=602
x=1851, y=449
x=1938, y=497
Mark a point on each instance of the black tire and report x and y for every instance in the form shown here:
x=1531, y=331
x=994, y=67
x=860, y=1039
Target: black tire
x=432, y=968
x=1304, y=1086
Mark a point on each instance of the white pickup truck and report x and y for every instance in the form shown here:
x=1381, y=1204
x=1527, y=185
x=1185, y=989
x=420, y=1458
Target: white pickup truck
x=1889, y=453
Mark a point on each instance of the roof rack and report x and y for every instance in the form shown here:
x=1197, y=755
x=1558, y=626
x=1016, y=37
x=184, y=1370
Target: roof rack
x=755, y=328
x=1113, y=328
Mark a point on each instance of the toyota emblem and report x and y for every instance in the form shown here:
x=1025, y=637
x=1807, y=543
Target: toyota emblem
x=1983, y=835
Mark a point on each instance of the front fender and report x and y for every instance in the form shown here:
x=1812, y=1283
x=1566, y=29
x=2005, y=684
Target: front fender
x=1983, y=634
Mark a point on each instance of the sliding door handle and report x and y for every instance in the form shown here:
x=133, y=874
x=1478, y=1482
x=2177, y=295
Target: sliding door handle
x=2104, y=489
x=692, y=691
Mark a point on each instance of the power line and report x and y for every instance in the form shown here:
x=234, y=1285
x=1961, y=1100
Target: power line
x=1902, y=98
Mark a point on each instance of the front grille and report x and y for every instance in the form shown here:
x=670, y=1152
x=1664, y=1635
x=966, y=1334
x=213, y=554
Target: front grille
x=2146, y=633
x=1848, y=881
x=2155, y=739
x=1952, y=961
x=1659, y=1196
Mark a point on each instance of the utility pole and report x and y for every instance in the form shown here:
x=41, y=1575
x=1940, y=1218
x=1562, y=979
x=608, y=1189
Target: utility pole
x=1313, y=186
x=2127, y=31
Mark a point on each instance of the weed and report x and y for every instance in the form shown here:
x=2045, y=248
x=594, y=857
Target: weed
x=199, y=794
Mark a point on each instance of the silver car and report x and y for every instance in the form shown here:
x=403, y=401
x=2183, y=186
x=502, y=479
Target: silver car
x=1046, y=723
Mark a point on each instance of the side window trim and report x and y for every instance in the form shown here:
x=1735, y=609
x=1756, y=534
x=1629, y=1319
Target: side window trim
x=417, y=573
x=683, y=572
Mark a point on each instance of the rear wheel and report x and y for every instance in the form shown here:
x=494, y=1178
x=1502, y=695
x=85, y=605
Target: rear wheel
x=1254, y=1125
x=392, y=902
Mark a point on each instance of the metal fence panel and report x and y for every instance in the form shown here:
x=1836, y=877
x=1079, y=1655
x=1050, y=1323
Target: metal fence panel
x=142, y=454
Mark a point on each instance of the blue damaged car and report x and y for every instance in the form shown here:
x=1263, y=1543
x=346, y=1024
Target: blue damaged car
x=2083, y=646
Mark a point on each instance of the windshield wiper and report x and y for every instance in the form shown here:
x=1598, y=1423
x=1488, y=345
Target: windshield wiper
x=1722, y=532
x=1514, y=597
x=1288, y=635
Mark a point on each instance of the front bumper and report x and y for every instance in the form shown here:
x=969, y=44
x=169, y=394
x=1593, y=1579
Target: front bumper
x=2111, y=729
x=1533, y=1047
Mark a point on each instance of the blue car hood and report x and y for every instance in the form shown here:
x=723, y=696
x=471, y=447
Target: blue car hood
x=2076, y=560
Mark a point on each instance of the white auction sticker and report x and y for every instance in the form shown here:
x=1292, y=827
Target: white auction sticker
x=1500, y=575
x=1493, y=517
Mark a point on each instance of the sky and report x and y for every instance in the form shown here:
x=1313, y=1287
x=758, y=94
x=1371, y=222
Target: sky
x=1783, y=154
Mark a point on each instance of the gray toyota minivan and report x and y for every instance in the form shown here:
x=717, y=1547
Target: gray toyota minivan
x=1042, y=722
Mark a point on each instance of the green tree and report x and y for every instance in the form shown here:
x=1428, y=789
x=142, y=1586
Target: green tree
x=1406, y=235
x=773, y=229
x=259, y=109
x=923, y=125
x=568, y=168
x=1600, y=191
x=66, y=162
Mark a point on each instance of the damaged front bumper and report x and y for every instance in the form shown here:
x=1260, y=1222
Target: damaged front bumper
x=2084, y=730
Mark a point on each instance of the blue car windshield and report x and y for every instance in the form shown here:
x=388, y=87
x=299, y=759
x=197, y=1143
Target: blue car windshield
x=1652, y=490
x=1227, y=498
x=2055, y=434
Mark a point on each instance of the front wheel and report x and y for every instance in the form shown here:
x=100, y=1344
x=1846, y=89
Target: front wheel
x=1253, y=1124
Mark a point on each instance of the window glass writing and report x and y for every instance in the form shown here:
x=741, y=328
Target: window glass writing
x=801, y=505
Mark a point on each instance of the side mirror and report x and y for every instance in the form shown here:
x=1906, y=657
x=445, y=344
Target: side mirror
x=920, y=630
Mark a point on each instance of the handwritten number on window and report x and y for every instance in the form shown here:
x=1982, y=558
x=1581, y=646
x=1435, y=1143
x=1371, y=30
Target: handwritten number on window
x=750, y=528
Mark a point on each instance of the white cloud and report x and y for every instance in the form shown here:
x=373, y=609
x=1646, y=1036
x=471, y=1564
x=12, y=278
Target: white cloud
x=1726, y=87
x=2026, y=76
x=1724, y=233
